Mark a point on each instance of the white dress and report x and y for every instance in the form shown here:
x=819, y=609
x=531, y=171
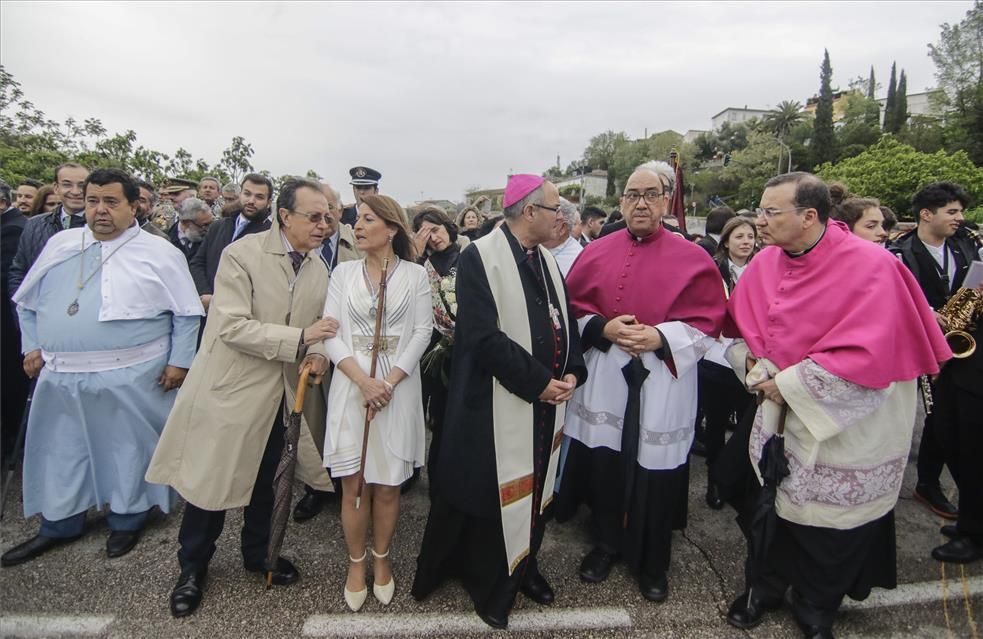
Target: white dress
x=397, y=437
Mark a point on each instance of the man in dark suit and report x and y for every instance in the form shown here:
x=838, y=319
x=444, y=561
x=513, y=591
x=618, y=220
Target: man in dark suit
x=255, y=198
x=365, y=181
x=716, y=219
x=194, y=218
x=15, y=383
x=939, y=260
x=591, y=221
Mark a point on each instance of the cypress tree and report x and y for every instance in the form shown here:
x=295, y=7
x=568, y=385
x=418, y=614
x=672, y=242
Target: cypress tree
x=873, y=114
x=889, y=104
x=822, y=133
x=901, y=103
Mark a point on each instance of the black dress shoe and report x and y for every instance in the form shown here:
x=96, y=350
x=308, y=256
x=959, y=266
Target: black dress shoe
x=309, y=506
x=713, y=496
x=747, y=610
x=960, y=550
x=495, y=620
x=284, y=575
x=538, y=589
x=935, y=500
x=187, y=593
x=121, y=542
x=33, y=548
x=596, y=566
x=949, y=530
x=654, y=588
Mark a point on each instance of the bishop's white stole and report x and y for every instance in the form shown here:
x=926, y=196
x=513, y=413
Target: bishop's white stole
x=512, y=416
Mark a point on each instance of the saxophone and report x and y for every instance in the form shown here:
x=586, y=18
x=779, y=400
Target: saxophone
x=960, y=315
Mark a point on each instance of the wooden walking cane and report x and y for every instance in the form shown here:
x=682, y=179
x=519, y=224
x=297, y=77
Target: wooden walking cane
x=376, y=338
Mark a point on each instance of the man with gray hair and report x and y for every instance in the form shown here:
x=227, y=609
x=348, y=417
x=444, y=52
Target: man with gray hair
x=649, y=305
x=209, y=190
x=230, y=192
x=562, y=245
x=516, y=362
x=194, y=218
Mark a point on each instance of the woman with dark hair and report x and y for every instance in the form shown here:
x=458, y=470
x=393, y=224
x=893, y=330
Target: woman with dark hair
x=721, y=394
x=390, y=400
x=864, y=217
x=469, y=221
x=440, y=261
x=45, y=201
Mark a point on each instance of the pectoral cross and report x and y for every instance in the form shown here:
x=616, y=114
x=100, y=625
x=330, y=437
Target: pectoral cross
x=555, y=315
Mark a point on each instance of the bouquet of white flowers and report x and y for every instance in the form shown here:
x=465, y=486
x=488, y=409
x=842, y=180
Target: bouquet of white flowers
x=444, y=298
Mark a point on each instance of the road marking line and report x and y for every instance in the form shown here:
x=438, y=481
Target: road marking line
x=53, y=626
x=905, y=594
x=348, y=625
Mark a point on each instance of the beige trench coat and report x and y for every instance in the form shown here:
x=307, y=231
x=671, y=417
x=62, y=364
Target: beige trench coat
x=214, y=438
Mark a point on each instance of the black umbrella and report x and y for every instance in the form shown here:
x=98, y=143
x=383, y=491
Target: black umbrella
x=760, y=520
x=283, y=481
x=635, y=374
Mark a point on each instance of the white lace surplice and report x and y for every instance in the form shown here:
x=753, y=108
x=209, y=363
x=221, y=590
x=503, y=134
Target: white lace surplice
x=847, y=445
x=596, y=412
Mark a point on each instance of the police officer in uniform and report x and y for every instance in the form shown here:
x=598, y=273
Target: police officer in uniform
x=365, y=181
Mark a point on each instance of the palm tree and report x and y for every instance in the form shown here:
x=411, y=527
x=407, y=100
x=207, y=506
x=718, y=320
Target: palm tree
x=784, y=117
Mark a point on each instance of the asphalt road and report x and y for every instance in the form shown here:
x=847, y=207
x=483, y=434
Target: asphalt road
x=128, y=597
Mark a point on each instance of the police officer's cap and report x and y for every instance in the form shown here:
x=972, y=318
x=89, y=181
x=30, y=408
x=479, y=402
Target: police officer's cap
x=364, y=176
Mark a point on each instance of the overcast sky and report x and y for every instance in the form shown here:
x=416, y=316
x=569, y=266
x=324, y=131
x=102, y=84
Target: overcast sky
x=440, y=97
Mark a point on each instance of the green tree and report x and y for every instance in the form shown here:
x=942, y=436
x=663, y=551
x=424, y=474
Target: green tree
x=958, y=58
x=823, y=143
x=600, y=153
x=893, y=172
x=235, y=158
x=855, y=132
x=751, y=167
x=891, y=103
x=783, y=118
x=901, y=103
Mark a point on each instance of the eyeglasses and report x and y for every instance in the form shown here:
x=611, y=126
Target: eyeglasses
x=314, y=218
x=651, y=196
x=65, y=185
x=555, y=209
x=770, y=213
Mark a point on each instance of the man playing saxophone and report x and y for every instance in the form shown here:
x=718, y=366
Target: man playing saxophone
x=939, y=260
x=939, y=254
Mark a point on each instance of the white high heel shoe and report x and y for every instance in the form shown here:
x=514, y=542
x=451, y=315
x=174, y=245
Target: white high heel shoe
x=383, y=593
x=356, y=599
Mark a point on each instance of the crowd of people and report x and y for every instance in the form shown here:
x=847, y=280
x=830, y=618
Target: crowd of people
x=560, y=357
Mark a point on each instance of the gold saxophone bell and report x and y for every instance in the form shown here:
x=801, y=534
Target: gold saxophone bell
x=962, y=344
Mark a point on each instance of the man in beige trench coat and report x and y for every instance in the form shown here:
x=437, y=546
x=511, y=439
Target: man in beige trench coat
x=223, y=439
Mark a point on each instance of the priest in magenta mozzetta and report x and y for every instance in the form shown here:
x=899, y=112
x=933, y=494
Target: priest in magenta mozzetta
x=838, y=330
x=649, y=305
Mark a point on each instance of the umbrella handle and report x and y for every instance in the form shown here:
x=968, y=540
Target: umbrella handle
x=781, y=419
x=301, y=389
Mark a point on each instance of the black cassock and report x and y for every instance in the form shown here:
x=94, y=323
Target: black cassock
x=464, y=535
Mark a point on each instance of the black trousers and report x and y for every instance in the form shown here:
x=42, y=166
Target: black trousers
x=720, y=395
x=931, y=455
x=960, y=429
x=201, y=528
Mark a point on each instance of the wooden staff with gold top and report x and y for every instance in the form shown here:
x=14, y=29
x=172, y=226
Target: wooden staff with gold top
x=376, y=339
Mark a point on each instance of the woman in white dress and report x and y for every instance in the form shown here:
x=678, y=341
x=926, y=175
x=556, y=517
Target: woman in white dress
x=392, y=398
